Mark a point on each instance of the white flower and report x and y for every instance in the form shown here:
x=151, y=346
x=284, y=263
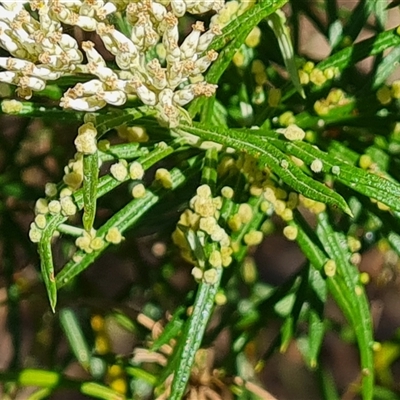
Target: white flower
x=41, y=51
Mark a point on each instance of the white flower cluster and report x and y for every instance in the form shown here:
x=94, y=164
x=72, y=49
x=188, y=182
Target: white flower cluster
x=41, y=51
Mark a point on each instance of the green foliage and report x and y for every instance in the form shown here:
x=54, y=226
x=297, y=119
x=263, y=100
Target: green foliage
x=306, y=148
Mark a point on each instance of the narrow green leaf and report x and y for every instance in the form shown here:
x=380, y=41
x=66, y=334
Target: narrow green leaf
x=100, y=391
x=124, y=219
x=193, y=335
x=127, y=151
x=277, y=22
x=46, y=259
x=250, y=18
x=40, y=394
x=171, y=330
x=351, y=300
x=387, y=66
x=90, y=180
x=106, y=122
x=75, y=336
x=358, y=309
x=270, y=156
x=209, y=173
x=232, y=38
x=369, y=47
x=374, y=186
x=316, y=333
x=38, y=377
x=328, y=385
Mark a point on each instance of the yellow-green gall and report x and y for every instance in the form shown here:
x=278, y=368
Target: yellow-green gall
x=279, y=206
x=133, y=133
x=217, y=201
x=73, y=180
x=253, y=38
x=287, y=118
x=245, y=212
x=395, y=89
x=292, y=201
x=86, y=142
x=197, y=273
x=227, y=192
x=41, y=206
x=50, y=189
x=249, y=270
x=68, y=206
x=65, y=192
x=54, y=207
x=239, y=59
x=119, y=170
x=384, y=95
x=40, y=221
x=35, y=234
x=226, y=251
x=210, y=276
x=203, y=206
x=365, y=161
x=274, y=97
x=104, y=145
x=97, y=243
x=235, y=222
x=269, y=194
x=353, y=243
x=294, y=132
x=304, y=77
x=138, y=191
x=317, y=165
x=164, y=177
x=365, y=278
x=308, y=66
x=287, y=214
x=290, y=232
x=253, y=238
x=11, y=106
x=321, y=107
x=220, y=298
x=335, y=96
x=256, y=190
x=136, y=171
x=330, y=268
x=317, y=77
x=83, y=242
x=219, y=235
x=208, y=225
x=204, y=191
x=215, y=259
x=114, y=235
x=189, y=218
x=329, y=73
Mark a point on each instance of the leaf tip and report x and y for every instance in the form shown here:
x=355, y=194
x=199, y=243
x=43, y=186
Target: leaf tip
x=348, y=211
